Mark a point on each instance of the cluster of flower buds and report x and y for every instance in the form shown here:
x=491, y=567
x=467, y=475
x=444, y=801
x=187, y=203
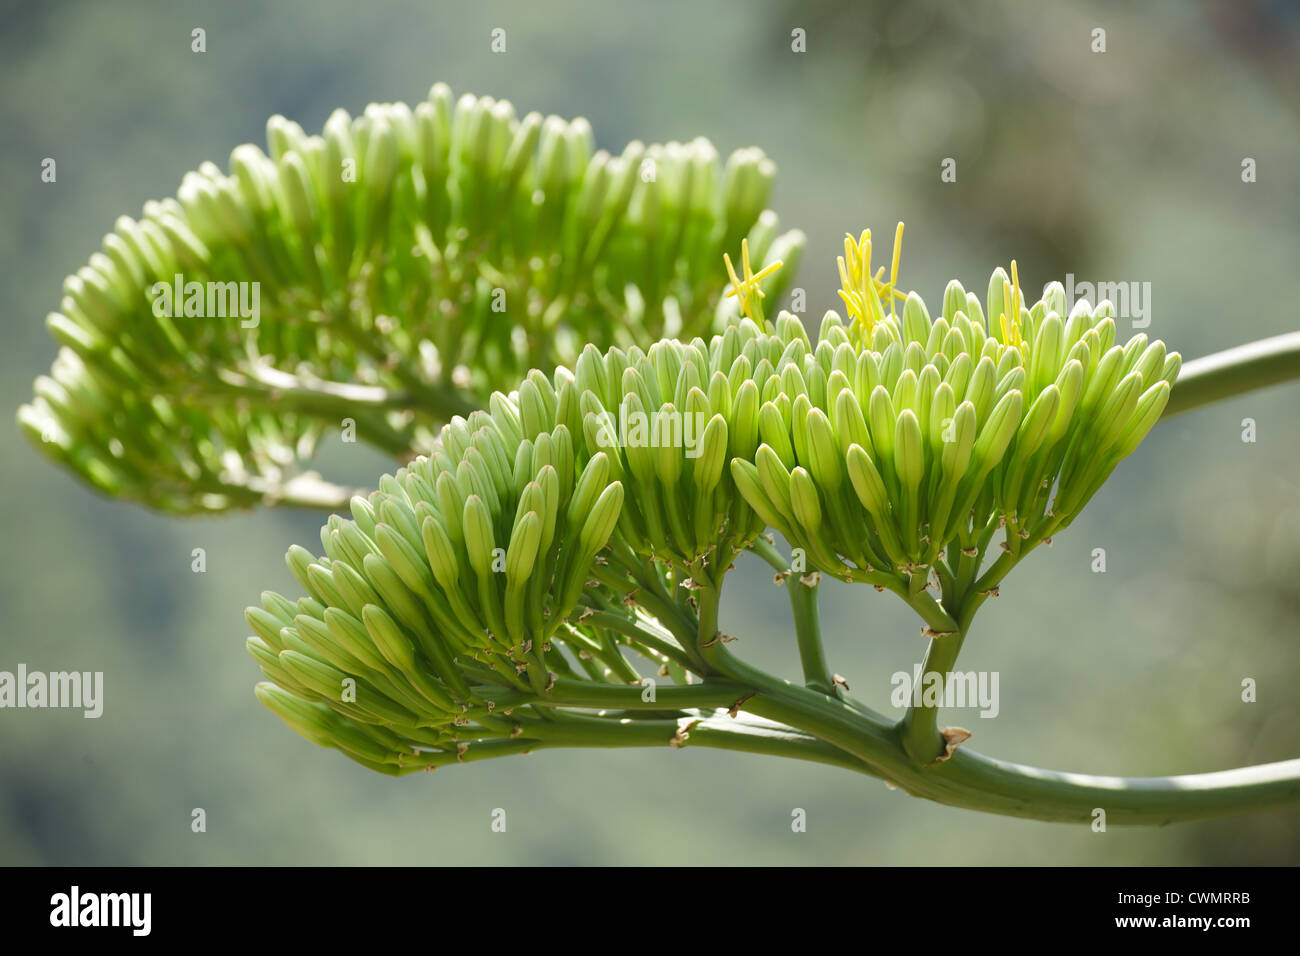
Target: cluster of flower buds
x=450, y=581
x=476, y=578
x=393, y=271
x=900, y=436
x=670, y=420
x=477, y=572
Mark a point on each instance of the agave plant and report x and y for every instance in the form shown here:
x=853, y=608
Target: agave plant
x=546, y=568
x=404, y=264
x=517, y=589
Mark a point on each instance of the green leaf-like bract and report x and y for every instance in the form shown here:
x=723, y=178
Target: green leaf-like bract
x=405, y=263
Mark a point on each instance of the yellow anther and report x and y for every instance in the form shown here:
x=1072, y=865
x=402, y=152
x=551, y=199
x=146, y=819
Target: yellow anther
x=747, y=290
x=1011, y=305
x=862, y=292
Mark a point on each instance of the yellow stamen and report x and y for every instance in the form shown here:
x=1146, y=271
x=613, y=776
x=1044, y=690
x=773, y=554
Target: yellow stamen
x=731, y=272
x=862, y=291
x=747, y=290
x=893, y=269
x=1011, y=305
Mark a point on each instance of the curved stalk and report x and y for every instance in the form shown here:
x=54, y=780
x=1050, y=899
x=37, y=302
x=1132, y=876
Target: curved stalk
x=800, y=723
x=983, y=783
x=707, y=730
x=1235, y=371
x=975, y=782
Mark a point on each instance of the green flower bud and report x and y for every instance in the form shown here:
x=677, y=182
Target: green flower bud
x=997, y=432
x=479, y=540
x=909, y=456
x=916, y=320
x=882, y=422
x=1150, y=406
x=774, y=431
x=805, y=502
x=954, y=300
x=743, y=433
x=602, y=519
x=849, y=424
x=775, y=479
x=1047, y=353
x=712, y=458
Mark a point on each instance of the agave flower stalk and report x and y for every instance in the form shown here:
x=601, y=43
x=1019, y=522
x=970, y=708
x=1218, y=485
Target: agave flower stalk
x=405, y=263
x=515, y=589
x=517, y=582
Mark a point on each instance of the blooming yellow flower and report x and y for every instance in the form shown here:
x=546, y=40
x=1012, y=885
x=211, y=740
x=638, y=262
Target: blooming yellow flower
x=862, y=292
x=747, y=290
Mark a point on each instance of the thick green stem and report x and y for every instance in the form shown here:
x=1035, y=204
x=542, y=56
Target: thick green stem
x=814, y=726
x=1235, y=371
x=977, y=782
x=973, y=781
x=708, y=730
x=919, y=727
x=725, y=734
x=861, y=732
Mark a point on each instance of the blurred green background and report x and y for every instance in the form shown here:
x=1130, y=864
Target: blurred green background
x=1117, y=166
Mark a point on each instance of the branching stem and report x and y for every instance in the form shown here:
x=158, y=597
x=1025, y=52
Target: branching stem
x=807, y=629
